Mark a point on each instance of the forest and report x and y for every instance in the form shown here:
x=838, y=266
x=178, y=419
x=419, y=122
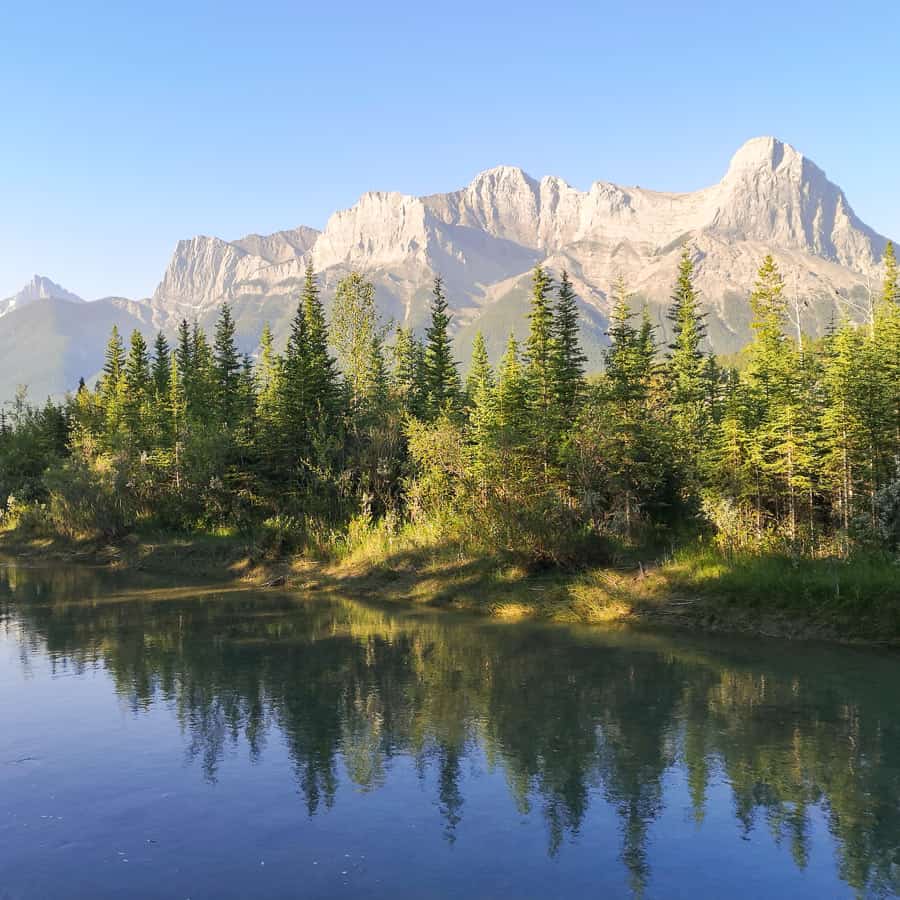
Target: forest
x=791, y=449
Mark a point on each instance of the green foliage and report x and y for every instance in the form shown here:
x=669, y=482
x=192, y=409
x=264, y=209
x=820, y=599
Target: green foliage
x=409, y=373
x=796, y=453
x=568, y=359
x=442, y=385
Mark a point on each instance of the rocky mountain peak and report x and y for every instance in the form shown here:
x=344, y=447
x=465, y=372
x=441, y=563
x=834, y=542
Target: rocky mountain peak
x=39, y=288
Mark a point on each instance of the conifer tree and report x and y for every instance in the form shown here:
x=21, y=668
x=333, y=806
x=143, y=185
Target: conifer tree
x=324, y=390
x=686, y=369
x=539, y=349
x=227, y=366
x=481, y=375
x=441, y=375
x=184, y=357
x=162, y=368
x=161, y=376
x=633, y=434
x=568, y=359
x=267, y=376
x=511, y=392
x=200, y=388
x=112, y=381
x=481, y=400
x=137, y=384
x=409, y=372
x=629, y=357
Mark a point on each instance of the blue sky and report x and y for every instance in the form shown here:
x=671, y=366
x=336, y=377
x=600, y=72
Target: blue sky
x=126, y=127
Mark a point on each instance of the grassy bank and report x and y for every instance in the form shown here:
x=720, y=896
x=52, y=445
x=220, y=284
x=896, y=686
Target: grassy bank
x=696, y=587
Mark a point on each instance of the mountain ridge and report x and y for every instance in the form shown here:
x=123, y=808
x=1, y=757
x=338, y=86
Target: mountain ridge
x=484, y=239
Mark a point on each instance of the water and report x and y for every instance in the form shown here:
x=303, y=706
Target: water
x=160, y=741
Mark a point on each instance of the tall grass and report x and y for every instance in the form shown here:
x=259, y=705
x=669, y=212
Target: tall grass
x=865, y=582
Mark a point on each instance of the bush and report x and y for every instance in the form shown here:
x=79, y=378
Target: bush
x=88, y=499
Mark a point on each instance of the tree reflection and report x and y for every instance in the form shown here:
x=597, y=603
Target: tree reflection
x=568, y=717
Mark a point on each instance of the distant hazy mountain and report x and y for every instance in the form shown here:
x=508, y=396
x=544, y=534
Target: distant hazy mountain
x=39, y=288
x=485, y=238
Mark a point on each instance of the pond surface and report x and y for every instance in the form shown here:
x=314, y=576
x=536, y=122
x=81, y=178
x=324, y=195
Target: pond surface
x=165, y=741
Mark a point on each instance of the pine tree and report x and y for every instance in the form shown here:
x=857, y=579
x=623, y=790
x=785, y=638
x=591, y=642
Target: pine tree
x=227, y=366
x=633, y=434
x=568, y=359
x=200, y=387
x=184, y=358
x=780, y=406
x=539, y=349
x=686, y=370
x=162, y=366
x=843, y=438
x=511, y=392
x=481, y=376
x=112, y=381
x=324, y=390
x=138, y=385
x=267, y=377
x=409, y=372
x=441, y=375
x=629, y=357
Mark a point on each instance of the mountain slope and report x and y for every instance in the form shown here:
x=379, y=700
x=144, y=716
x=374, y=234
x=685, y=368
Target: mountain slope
x=39, y=288
x=485, y=238
x=48, y=346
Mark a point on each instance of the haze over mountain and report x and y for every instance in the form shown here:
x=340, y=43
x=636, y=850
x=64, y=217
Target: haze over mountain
x=484, y=240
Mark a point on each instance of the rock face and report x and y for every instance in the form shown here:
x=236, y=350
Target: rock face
x=39, y=288
x=485, y=238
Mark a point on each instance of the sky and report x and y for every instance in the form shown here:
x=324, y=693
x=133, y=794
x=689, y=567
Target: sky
x=125, y=127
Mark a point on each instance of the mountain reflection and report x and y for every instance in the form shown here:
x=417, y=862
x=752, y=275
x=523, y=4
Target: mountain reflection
x=570, y=717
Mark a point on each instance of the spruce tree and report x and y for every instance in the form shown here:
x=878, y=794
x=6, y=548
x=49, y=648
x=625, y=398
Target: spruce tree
x=324, y=390
x=161, y=377
x=481, y=376
x=162, y=366
x=568, y=359
x=112, y=382
x=227, y=366
x=629, y=357
x=686, y=369
x=539, y=349
x=409, y=372
x=184, y=357
x=138, y=384
x=201, y=388
x=511, y=392
x=267, y=377
x=441, y=375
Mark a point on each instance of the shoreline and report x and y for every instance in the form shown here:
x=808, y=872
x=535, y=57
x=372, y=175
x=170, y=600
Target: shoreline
x=638, y=596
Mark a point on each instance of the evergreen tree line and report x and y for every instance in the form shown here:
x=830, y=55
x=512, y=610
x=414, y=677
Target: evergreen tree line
x=796, y=449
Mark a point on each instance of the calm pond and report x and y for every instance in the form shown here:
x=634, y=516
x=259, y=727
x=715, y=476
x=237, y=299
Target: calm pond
x=160, y=741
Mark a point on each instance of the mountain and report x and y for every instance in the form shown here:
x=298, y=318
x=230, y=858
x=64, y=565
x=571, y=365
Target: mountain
x=48, y=346
x=484, y=240
x=39, y=288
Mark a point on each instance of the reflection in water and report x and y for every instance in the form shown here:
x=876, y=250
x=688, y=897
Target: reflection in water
x=572, y=718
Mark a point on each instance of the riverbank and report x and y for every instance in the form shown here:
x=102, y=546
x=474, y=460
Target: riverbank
x=697, y=588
